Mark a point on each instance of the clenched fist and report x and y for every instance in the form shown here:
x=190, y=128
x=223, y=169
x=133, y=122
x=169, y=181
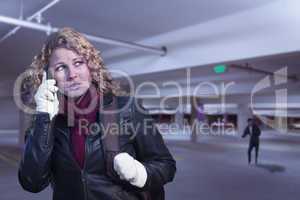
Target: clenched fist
x=130, y=169
x=46, y=97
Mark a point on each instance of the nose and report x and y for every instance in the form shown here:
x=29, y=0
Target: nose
x=71, y=74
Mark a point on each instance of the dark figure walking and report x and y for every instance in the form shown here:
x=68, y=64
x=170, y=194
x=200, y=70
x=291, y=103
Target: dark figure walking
x=253, y=130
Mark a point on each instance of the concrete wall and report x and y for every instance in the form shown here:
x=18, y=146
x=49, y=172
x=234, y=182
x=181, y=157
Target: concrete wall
x=9, y=114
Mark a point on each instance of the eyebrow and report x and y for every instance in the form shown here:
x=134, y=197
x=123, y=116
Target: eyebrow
x=80, y=57
x=58, y=63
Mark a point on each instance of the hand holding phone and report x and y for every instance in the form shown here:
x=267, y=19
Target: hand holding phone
x=46, y=97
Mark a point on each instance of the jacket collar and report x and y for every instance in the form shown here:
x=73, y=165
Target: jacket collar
x=107, y=99
x=61, y=120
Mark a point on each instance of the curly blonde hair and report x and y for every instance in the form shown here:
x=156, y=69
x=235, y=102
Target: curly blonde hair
x=71, y=39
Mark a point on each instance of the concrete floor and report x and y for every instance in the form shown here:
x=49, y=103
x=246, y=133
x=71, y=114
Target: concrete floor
x=214, y=169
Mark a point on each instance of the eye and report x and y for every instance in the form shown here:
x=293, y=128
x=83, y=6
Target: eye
x=60, y=68
x=78, y=63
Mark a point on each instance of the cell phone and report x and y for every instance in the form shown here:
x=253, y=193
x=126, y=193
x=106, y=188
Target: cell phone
x=49, y=76
x=48, y=73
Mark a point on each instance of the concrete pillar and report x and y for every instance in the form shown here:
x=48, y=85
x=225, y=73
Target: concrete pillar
x=25, y=119
x=179, y=118
x=21, y=129
x=196, y=117
x=243, y=114
x=281, y=124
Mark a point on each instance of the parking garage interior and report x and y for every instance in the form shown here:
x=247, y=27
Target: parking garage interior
x=200, y=69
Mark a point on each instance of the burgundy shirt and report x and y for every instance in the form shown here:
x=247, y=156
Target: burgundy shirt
x=78, y=136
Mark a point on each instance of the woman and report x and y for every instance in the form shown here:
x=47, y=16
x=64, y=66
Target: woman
x=74, y=93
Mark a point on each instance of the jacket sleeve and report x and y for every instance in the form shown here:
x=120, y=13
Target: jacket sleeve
x=34, y=172
x=246, y=132
x=152, y=153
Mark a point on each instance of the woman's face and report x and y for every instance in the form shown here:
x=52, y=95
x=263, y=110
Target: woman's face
x=70, y=71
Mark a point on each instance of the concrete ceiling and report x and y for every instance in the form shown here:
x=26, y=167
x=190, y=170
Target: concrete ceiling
x=129, y=21
x=242, y=78
x=144, y=21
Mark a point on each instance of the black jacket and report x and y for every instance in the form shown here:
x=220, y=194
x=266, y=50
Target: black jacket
x=254, y=137
x=48, y=159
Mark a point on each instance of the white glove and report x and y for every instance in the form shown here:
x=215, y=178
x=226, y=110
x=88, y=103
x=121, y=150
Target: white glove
x=130, y=169
x=46, y=97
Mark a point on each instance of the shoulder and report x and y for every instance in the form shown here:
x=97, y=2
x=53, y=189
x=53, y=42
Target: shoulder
x=124, y=101
x=131, y=106
x=129, y=102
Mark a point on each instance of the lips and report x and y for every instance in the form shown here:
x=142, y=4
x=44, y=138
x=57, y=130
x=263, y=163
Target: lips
x=73, y=86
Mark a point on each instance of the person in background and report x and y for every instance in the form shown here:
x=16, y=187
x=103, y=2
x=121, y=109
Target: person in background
x=254, y=132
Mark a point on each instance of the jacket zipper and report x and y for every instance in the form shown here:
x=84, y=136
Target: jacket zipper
x=82, y=171
x=48, y=134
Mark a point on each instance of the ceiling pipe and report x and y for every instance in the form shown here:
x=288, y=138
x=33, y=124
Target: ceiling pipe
x=100, y=39
x=27, y=24
x=37, y=15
